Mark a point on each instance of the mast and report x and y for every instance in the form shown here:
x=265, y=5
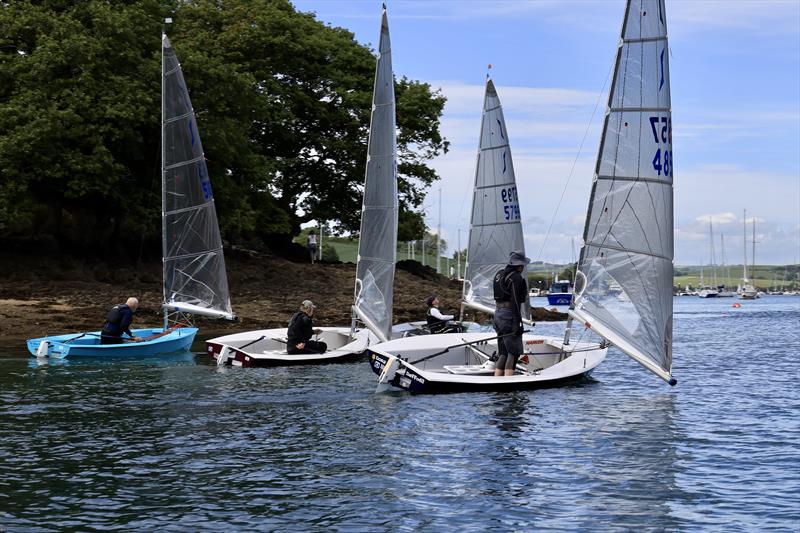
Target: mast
x=753, y=257
x=439, y=237
x=164, y=308
x=628, y=234
x=713, y=258
x=725, y=266
x=744, y=247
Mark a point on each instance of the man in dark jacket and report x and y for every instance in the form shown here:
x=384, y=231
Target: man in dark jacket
x=510, y=293
x=301, y=329
x=118, y=321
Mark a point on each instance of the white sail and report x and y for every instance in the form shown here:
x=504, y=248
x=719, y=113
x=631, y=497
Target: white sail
x=194, y=267
x=495, y=226
x=628, y=236
x=377, y=245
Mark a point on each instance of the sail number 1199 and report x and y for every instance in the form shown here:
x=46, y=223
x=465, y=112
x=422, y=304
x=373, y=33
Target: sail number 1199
x=662, y=134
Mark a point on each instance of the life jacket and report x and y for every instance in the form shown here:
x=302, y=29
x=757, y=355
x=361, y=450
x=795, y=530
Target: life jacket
x=298, y=328
x=435, y=324
x=114, y=317
x=502, y=286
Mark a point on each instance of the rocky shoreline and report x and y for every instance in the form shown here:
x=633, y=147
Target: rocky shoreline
x=50, y=296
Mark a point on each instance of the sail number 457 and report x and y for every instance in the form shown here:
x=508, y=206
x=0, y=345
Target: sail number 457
x=662, y=134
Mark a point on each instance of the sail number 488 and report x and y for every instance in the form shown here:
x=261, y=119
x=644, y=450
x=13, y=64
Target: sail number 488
x=662, y=134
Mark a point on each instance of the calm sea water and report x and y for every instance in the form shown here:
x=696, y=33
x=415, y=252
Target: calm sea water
x=178, y=444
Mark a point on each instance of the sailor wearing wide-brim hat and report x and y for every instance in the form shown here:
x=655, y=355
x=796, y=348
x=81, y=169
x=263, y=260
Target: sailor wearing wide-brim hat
x=510, y=294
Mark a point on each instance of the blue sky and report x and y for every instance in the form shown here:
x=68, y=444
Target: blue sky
x=735, y=75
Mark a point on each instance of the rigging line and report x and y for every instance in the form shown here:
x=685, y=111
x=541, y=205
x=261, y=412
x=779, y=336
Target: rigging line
x=575, y=162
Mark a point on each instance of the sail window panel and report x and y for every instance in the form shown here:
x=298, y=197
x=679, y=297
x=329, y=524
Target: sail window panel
x=641, y=79
x=384, y=82
x=187, y=186
x=645, y=20
x=378, y=230
x=182, y=141
x=633, y=215
x=489, y=248
x=493, y=132
x=170, y=59
x=198, y=280
x=176, y=97
x=638, y=144
x=192, y=231
x=375, y=297
x=382, y=170
x=482, y=289
x=641, y=314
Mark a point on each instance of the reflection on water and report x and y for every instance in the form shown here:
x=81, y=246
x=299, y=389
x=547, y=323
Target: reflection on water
x=177, y=442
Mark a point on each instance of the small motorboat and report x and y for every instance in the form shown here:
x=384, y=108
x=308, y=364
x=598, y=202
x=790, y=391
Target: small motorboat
x=560, y=293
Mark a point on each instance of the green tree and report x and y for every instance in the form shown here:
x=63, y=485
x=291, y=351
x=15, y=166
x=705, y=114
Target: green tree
x=282, y=103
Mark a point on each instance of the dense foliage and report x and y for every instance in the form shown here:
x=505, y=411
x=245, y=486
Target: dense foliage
x=282, y=101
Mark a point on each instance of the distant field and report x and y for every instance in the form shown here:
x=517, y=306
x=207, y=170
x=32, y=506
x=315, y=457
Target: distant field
x=766, y=276
x=347, y=250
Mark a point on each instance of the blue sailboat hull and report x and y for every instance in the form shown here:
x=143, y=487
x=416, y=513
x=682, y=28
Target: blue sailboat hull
x=88, y=344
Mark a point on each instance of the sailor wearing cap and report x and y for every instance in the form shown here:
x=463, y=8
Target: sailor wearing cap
x=510, y=293
x=301, y=329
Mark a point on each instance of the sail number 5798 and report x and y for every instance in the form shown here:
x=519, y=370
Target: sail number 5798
x=662, y=134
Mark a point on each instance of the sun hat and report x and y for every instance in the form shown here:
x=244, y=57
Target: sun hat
x=517, y=258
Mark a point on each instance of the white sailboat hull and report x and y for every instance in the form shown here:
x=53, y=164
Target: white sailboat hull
x=410, y=364
x=267, y=347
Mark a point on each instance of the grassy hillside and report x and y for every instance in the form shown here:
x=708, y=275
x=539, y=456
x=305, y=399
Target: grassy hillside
x=765, y=276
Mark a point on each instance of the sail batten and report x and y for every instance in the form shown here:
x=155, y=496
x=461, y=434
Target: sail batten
x=194, y=275
x=628, y=235
x=377, y=245
x=495, y=223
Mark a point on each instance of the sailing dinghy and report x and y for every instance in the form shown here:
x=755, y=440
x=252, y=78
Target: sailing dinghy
x=377, y=248
x=628, y=243
x=194, y=279
x=464, y=361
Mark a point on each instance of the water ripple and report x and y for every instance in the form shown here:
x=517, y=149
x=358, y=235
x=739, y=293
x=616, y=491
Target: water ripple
x=180, y=444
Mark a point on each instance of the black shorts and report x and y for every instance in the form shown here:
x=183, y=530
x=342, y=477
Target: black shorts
x=509, y=345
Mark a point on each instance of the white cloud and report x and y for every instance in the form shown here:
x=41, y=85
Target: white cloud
x=761, y=16
x=719, y=218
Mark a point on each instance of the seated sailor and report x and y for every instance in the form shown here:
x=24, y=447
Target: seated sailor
x=118, y=321
x=437, y=322
x=301, y=329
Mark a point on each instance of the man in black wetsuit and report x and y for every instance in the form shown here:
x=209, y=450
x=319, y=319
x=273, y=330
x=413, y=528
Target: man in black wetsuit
x=510, y=293
x=118, y=321
x=301, y=329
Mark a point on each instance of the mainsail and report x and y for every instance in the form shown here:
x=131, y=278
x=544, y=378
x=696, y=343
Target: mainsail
x=377, y=246
x=495, y=226
x=628, y=236
x=194, y=266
